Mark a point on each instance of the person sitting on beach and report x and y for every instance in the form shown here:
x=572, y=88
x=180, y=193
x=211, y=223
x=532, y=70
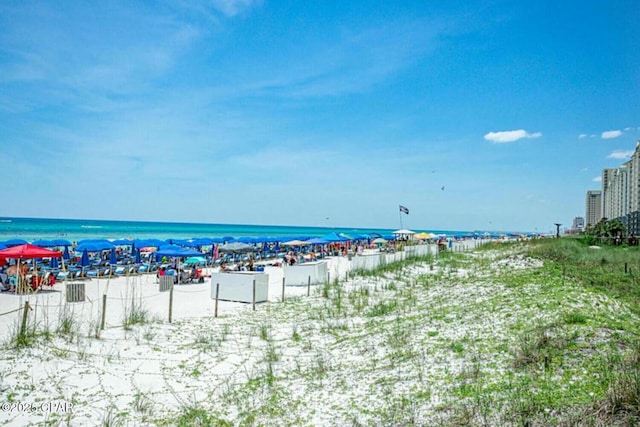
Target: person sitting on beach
x=250, y=265
x=162, y=272
x=223, y=267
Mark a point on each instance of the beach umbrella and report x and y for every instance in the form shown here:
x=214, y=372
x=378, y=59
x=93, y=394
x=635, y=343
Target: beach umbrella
x=55, y=263
x=122, y=242
x=15, y=242
x=84, y=259
x=3, y=246
x=138, y=260
x=65, y=254
x=194, y=260
x=176, y=251
x=42, y=243
x=60, y=242
x=94, y=247
x=113, y=259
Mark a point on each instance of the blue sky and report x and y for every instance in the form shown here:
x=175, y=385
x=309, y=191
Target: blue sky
x=494, y=115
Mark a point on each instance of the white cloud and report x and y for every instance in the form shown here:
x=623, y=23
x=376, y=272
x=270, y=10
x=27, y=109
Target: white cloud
x=597, y=179
x=620, y=154
x=234, y=7
x=611, y=134
x=510, y=136
x=582, y=136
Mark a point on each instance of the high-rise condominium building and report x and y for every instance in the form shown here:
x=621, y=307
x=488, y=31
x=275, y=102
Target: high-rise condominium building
x=594, y=207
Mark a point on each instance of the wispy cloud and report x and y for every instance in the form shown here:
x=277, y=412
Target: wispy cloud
x=582, y=136
x=597, y=179
x=234, y=7
x=620, y=154
x=610, y=134
x=510, y=136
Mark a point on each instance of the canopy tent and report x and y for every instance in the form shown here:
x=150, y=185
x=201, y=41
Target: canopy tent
x=317, y=241
x=334, y=237
x=296, y=243
x=237, y=248
x=28, y=251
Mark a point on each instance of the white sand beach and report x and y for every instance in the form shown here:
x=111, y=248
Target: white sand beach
x=284, y=364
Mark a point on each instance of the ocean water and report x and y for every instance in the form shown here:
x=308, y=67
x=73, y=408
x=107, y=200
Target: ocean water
x=77, y=229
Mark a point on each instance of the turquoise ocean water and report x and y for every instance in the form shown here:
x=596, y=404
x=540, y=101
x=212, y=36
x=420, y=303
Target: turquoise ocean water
x=77, y=229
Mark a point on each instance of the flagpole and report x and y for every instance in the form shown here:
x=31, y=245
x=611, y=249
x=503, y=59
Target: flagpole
x=400, y=213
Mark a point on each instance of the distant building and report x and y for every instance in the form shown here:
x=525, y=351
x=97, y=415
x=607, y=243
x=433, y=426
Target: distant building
x=593, y=213
x=620, y=194
x=578, y=223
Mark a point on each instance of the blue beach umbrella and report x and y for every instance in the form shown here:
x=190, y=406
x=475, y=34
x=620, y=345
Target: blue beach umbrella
x=122, y=242
x=15, y=242
x=84, y=259
x=113, y=259
x=60, y=242
x=65, y=254
x=138, y=260
x=55, y=263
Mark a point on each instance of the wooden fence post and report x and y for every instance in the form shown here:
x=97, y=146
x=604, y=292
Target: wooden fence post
x=283, y=289
x=170, y=303
x=309, y=286
x=215, y=311
x=25, y=314
x=254, y=294
x=104, y=311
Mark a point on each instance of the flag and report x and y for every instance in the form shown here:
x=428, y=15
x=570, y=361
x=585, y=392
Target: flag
x=404, y=209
